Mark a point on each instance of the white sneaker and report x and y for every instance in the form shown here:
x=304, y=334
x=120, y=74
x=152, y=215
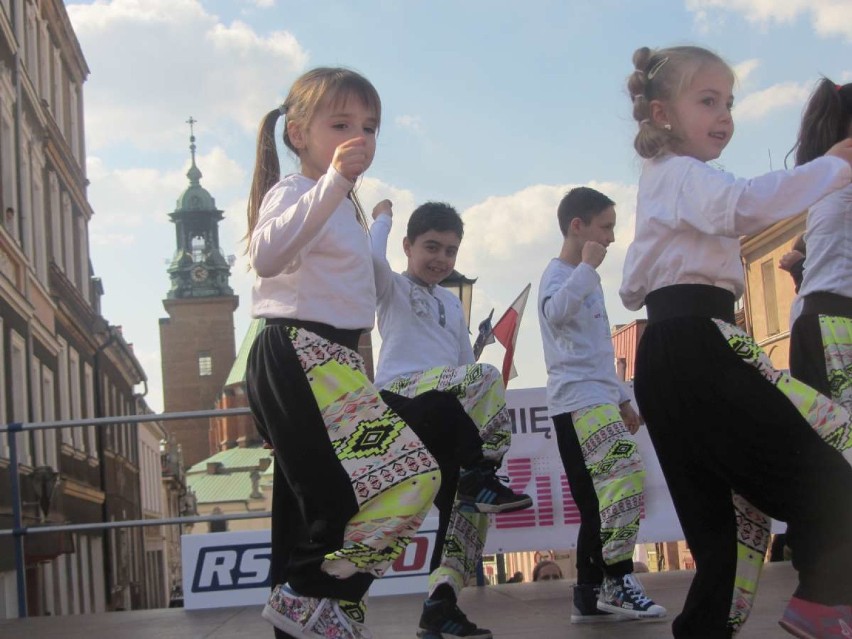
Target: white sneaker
x=312, y=618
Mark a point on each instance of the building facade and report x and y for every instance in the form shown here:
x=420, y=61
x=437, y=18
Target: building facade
x=770, y=291
x=59, y=358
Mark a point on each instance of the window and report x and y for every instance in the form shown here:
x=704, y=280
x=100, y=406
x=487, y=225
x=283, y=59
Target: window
x=64, y=395
x=7, y=166
x=49, y=414
x=19, y=393
x=57, y=101
x=54, y=213
x=83, y=243
x=39, y=240
x=767, y=272
x=38, y=435
x=76, y=410
x=205, y=364
x=89, y=379
x=4, y=449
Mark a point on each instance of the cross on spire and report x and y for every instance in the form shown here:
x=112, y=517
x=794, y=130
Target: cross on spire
x=194, y=174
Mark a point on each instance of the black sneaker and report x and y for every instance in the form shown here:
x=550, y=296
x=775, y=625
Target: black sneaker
x=481, y=488
x=442, y=619
x=585, y=608
x=626, y=596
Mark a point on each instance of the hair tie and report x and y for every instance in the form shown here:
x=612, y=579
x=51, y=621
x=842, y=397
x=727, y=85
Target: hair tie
x=282, y=110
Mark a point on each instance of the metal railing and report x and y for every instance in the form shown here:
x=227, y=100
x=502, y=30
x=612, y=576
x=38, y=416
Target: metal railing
x=19, y=531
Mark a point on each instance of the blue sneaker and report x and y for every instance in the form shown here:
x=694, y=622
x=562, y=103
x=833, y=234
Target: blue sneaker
x=442, y=619
x=482, y=489
x=626, y=596
x=585, y=608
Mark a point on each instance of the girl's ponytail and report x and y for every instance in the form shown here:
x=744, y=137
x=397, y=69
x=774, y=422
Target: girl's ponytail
x=267, y=170
x=651, y=140
x=826, y=120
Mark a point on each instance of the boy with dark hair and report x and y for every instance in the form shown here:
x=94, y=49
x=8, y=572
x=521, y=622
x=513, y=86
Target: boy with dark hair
x=592, y=415
x=425, y=358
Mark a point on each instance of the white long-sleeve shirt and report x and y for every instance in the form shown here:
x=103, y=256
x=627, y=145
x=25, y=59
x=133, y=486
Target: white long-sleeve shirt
x=689, y=217
x=413, y=339
x=828, y=241
x=576, y=337
x=311, y=255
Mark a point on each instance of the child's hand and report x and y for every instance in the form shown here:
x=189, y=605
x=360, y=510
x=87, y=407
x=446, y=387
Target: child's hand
x=790, y=259
x=350, y=158
x=842, y=150
x=593, y=254
x=385, y=206
x=630, y=417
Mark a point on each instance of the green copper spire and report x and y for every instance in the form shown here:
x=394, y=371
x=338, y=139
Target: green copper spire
x=194, y=174
x=196, y=197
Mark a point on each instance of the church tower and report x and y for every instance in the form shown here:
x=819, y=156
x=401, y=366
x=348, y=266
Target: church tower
x=197, y=338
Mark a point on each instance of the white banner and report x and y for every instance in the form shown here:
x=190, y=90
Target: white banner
x=232, y=569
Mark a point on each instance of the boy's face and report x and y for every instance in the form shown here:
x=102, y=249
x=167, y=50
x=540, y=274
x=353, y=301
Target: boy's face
x=432, y=255
x=601, y=229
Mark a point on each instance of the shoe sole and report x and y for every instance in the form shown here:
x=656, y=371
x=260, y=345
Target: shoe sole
x=631, y=614
x=433, y=634
x=492, y=509
x=589, y=619
x=796, y=632
x=284, y=624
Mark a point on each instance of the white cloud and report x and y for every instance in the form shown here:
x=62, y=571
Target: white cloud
x=779, y=96
x=410, y=122
x=744, y=69
x=193, y=64
x=508, y=242
x=828, y=17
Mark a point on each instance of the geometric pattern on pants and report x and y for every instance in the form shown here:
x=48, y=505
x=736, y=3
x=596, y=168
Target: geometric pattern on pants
x=393, y=476
x=831, y=421
x=837, y=343
x=618, y=474
x=480, y=390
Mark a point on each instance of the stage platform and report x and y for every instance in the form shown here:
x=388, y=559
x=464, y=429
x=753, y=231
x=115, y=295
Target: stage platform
x=511, y=611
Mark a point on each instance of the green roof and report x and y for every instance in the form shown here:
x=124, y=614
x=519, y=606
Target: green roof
x=238, y=370
x=218, y=488
x=233, y=481
x=233, y=459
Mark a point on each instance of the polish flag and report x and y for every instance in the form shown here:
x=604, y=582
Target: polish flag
x=506, y=332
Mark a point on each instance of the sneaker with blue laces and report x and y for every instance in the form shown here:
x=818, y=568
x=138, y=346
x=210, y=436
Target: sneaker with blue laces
x=626, y=596
x=585, y=608
x=443, y=619
x=483, y=490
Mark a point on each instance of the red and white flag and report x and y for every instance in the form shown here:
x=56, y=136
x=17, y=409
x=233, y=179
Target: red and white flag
x=506, y=332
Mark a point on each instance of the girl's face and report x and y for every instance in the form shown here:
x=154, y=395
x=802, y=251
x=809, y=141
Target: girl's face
x=334, y=123
x=701, y=115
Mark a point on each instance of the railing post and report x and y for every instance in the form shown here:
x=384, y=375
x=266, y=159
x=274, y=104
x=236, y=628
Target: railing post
x=17, y=519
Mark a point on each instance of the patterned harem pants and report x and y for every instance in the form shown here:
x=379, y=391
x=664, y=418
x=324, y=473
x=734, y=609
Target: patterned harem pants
x=607, y=479
x=737, y=438
x=357, y=481
x=480, y=390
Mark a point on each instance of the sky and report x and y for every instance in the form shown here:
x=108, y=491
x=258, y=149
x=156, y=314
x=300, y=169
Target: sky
x=494, y=106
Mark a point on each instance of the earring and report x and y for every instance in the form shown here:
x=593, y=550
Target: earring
x=667, y=126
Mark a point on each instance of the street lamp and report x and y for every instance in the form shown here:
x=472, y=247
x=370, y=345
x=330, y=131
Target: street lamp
x=44, y=481
x=462, y=287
